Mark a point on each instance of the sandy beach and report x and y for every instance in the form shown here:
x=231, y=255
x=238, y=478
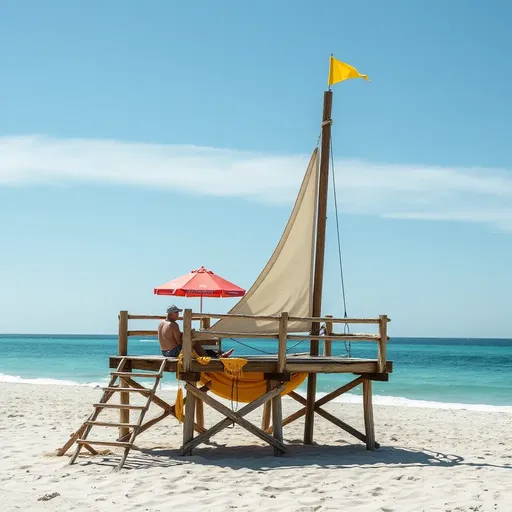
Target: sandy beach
x=429, y=460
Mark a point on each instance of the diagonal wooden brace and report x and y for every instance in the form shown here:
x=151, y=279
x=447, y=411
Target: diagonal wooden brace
x=328, y=416
x=234, y=417
x=322, y=401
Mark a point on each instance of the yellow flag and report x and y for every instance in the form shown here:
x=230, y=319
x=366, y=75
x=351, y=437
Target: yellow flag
x=339, y=71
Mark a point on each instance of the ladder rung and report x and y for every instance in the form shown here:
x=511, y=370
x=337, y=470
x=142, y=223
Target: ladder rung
x=128, y=390
x=103, y=443
x=131, y=374
x=109, y=424
x=121, y=406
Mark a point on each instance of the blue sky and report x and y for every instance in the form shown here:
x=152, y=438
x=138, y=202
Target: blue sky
x=139, y=140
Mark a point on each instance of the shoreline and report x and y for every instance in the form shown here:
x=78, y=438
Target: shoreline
x=348, y=398
x=430, y=459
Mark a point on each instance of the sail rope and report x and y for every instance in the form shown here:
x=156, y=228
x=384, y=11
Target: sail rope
x=264, y=351
x=348, y=344
x=252, y=348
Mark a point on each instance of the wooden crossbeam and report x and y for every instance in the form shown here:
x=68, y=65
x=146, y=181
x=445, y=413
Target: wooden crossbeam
x=155, y=399
x=233, y=417
x=345, y=426
x=115, y=389
x=297, y=397
x=322, y=401
x=340, y=391
x=368, y=438
x=381, y=377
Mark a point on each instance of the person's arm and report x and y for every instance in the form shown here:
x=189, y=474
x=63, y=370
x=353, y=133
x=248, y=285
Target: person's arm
x=159, y=331
x=177, y=335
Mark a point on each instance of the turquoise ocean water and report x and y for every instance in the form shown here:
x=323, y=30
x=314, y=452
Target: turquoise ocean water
x=433, y=372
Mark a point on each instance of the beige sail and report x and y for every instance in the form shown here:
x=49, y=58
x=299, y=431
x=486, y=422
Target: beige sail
x=286, y=282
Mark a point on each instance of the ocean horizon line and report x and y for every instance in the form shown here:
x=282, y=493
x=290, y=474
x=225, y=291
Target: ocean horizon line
x=115, y=335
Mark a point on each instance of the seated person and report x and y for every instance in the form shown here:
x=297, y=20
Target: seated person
x=170, y=336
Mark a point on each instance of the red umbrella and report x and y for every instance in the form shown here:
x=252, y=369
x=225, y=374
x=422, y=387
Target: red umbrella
x=200, y=283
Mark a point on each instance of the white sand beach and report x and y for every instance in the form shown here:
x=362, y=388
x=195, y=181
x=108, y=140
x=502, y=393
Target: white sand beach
x=429, y=460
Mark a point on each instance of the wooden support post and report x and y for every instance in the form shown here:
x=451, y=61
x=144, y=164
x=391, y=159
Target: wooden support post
x=188, y=426
x=199, y=413
x=319, y=259
x=123, y=334
x=265, y=420
x=283, y=335
x=187, y=340
x=310, y=408
x=383, y=339
x=124, y=398
x=328, y=343
x=277, y=418
x=368, y=414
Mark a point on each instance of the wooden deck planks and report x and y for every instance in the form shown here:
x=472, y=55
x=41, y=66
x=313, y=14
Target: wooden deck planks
x=266, y=364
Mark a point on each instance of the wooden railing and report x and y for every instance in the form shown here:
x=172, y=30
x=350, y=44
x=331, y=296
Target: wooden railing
x=281, y=333
x=125, y=333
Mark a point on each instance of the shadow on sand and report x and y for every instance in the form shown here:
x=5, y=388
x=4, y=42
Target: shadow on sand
x=260, y=458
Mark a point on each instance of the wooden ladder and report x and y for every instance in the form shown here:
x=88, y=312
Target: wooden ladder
x=108, y=392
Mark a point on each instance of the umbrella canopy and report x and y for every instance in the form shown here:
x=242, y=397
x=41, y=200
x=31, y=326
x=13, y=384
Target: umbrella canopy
x=200, y=283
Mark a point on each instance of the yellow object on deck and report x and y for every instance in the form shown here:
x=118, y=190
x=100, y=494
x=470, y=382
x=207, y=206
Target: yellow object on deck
x=247, y=388
x=233, y=383
x=233, y=366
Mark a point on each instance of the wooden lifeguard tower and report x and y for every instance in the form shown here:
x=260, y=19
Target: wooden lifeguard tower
x=285, y=304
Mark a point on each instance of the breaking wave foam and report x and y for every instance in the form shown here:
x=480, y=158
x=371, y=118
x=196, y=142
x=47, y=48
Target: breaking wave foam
x=48, y=382
x=401, y=401
x=348, y=398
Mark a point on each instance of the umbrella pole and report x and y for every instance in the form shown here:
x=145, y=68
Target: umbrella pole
x=201, y=304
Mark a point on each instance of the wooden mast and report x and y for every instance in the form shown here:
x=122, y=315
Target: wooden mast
x=319, y=258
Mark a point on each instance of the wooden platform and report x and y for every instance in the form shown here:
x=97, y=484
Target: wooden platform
x=266, y=364
x=277, y=370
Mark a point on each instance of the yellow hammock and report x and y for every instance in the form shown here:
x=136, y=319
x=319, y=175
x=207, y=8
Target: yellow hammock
x=233, y=384
x=246, y=388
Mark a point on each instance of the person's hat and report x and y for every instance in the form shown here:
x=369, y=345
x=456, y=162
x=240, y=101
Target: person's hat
x=174, y=309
